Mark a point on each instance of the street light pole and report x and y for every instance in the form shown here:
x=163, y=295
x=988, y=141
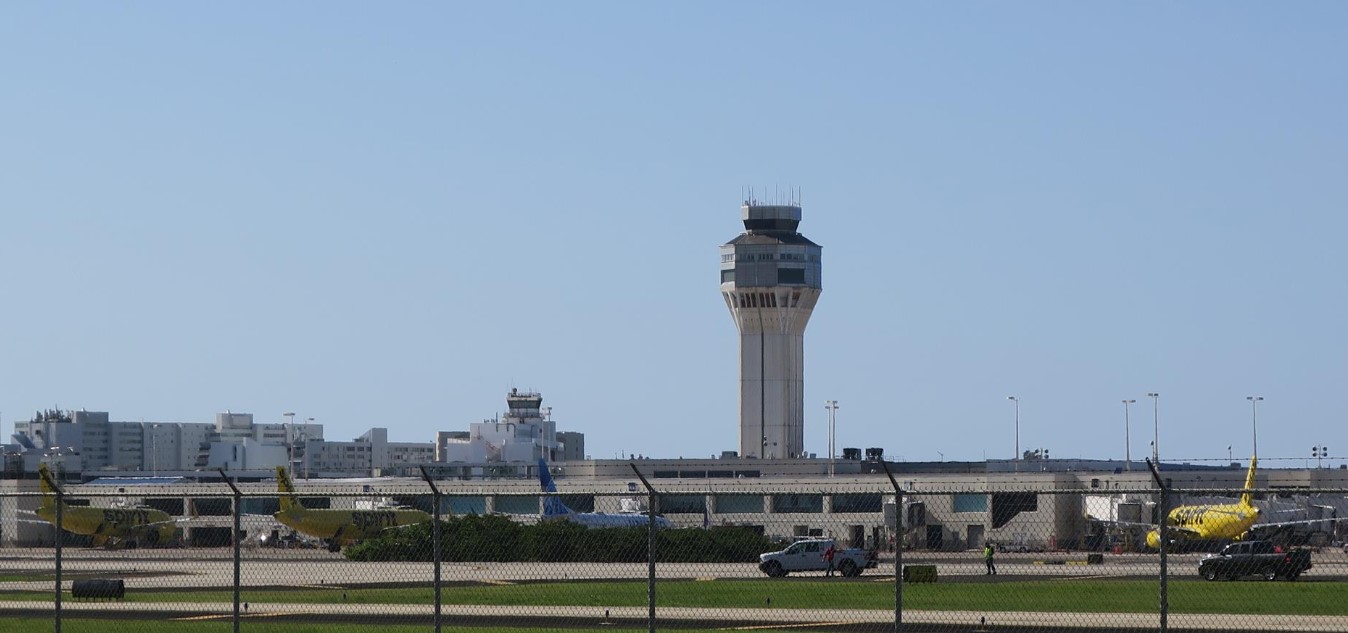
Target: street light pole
x=1017, y=402
x=306, y=448
x=832, y=406
x=290, y=441
x=1155, y=427
x=1254, y=422
x=1127, y=444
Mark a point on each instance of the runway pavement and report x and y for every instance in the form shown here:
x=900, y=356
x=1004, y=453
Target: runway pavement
x=151, y=569
x=721, y=618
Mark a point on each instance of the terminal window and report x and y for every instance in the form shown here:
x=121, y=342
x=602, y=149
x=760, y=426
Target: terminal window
x=798, y=503
x=970, y=502
x=857, y=503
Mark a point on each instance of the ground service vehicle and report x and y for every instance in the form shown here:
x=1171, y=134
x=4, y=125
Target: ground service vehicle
x=1254, y=557
x=808, y=555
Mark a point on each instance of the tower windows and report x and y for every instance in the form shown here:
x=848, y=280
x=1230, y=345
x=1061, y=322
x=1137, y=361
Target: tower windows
x=791, y=276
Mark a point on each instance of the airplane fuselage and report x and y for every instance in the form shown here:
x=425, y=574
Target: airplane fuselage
x=141, y=525
x=602, y=520
x=344, y=527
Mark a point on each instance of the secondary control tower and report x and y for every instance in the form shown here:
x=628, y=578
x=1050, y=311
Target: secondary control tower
x=770, y=279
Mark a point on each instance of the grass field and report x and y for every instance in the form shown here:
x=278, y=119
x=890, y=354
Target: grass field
x=1078, y=595
x=81, y=625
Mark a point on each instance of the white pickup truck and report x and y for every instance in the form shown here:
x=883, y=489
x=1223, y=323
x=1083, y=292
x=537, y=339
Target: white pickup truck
x=808, y=555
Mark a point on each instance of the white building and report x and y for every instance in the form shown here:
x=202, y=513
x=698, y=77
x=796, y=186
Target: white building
x=86, y=442
x=524, y=434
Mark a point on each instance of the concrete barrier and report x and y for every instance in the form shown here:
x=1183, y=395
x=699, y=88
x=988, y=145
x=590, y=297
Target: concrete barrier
x=919, y=573
x=98, y=588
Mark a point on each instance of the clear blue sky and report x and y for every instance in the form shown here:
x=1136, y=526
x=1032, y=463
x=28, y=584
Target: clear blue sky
x=389, y=215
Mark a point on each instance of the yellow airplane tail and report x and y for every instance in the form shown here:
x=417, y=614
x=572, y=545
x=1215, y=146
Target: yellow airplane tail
x=46, y=485
x=287, y=490
x=1247, y=497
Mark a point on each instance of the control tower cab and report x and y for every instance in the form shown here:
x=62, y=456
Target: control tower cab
x=770, y=280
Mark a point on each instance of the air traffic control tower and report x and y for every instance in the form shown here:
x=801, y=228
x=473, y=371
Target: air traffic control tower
x=770, y=279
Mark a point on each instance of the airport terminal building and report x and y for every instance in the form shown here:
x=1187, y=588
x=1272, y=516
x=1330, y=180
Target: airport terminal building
x=944, y=506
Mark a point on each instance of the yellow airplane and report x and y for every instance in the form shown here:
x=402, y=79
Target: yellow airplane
x=1226, y=521
x=129, y=527
x=1229, y=521
x=338, y=527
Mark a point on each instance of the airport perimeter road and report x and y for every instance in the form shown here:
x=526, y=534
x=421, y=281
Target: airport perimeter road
x=204, y=568
x=563, y=616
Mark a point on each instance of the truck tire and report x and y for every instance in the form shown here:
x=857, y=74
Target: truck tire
x=1293, y=576
x=849, y=569
x=775, y=570
x=1269, y=573
x=1210, y=574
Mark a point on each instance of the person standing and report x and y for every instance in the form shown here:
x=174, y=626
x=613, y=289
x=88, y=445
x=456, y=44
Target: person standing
x=828, y=559
x=987, y=560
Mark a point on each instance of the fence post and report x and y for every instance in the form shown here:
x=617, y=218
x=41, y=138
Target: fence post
x=238, y=511
x=1163, y=534
x=60, y=519
x=651, y=505
x=898, y=547
x=435, y=541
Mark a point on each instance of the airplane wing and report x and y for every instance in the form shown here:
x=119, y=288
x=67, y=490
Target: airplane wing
x=1150, y=526
x=1187, y=532
x=1275, y=524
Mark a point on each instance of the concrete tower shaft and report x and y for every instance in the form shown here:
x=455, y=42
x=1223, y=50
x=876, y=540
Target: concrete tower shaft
x=770, y=280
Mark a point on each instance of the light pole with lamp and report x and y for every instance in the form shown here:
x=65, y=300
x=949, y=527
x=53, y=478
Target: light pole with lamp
x=1155, y=427
x=832, y=406
x=1016, y=400
x=154, y=449
x=290, y=440
x=1319, y=452
x=306, y=448
x=1127, y=444
x=1254, y=423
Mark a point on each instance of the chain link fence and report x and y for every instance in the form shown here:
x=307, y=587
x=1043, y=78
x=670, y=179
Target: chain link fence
x=845, y=554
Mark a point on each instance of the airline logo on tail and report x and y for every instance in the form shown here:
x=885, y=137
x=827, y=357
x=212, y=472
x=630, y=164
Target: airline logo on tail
x=287, y=490
x=1246, y=498
x=45, y=485
x=552, y=504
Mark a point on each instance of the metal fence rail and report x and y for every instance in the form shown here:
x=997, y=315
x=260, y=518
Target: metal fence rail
x=903, y=558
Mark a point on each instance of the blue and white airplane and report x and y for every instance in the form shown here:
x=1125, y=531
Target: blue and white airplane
x=554, y=509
